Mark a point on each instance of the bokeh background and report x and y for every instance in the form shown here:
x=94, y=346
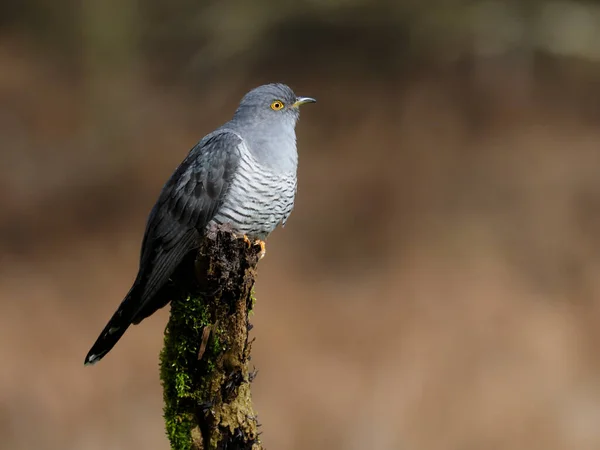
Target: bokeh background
x=437, y=286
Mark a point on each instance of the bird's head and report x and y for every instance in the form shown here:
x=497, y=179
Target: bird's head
x=270, y=105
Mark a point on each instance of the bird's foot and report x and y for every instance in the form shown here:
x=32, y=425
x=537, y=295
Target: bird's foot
x=257, y=242
x=263, y=248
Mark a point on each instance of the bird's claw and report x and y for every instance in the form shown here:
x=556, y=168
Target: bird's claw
x=263, y=248
x=257, y=242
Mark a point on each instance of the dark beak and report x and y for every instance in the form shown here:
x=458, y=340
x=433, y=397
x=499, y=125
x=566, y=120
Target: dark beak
x=302, y=100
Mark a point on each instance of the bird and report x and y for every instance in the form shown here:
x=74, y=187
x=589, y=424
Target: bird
x=242, y=175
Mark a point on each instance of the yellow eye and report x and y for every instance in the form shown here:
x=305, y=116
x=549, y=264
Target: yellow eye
x=277, y=105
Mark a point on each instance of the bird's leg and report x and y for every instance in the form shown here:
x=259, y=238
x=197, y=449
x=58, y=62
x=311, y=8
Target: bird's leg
x=258, y=242
x=244, y=237
x=263, y=250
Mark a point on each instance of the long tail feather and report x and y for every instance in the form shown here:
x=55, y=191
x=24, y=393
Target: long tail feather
x=114, y=329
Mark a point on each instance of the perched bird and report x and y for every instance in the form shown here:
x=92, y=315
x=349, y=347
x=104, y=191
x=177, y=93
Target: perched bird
x=242, y=174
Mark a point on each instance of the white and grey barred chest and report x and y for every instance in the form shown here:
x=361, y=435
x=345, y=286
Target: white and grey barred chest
x=258, y=199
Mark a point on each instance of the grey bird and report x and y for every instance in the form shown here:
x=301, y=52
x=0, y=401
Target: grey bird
x=243, y=174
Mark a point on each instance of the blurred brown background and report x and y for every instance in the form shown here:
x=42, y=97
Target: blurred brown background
x=436, y=287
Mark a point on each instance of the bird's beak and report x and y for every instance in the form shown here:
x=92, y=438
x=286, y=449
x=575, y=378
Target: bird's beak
x=302, y=101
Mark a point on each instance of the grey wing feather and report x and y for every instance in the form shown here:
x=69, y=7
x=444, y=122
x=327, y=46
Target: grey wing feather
x=188, y=202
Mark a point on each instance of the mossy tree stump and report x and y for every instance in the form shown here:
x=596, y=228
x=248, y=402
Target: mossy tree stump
x=205, y=360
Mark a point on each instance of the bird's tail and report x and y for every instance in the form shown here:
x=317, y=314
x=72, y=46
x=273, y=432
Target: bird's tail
x=115, y=328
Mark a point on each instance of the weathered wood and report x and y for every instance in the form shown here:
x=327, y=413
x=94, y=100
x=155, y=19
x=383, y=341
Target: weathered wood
x=205, y=360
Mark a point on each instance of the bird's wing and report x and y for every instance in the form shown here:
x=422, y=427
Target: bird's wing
x=188, y=202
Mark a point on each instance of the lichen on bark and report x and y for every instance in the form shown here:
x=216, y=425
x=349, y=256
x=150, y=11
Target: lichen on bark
x=205, y=359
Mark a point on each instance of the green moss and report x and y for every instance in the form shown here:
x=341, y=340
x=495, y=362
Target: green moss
x=206, y=388
x=178, y=363
x=179, y=430
x=217, y=344
x=252, y=301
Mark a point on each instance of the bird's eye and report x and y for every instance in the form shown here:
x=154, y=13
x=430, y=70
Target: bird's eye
x=277, y=105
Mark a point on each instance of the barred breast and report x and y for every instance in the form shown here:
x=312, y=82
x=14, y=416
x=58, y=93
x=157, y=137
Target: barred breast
x=258, y=200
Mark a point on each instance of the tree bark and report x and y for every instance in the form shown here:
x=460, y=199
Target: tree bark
x=205, y=360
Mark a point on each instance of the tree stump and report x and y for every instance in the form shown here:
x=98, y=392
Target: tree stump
x=205, y=360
